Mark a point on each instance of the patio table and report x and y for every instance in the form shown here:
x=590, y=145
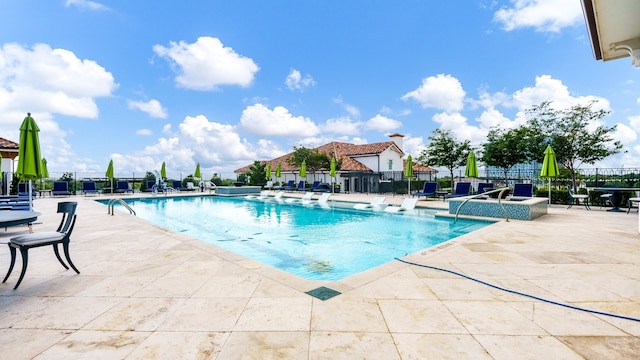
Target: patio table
x=616, y=196
x=17, y=217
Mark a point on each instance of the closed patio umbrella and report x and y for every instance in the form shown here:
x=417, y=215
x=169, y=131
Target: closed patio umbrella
x=332, y=171
x=29, y=158
x=197, y=173
x=549, y=167
x=408, y=171
x=278, y=171
x=163, y=171
x=45, y=171
x=109, y=173
x=471, y=170
x=303, y=169
x=267, y=171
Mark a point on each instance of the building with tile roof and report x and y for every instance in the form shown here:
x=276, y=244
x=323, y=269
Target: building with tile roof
x=9, y=151
x=363, y=166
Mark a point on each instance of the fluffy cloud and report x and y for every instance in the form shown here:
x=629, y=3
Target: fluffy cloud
x=152, y=107
x=382, y=123
x=207, y=64
x=259, y=120
x=542, y=15
x=443, y=92
x=86, y=4
x=295, y=81
x=343, y=125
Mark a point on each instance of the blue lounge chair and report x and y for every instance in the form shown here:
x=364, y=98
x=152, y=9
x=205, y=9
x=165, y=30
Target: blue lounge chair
x=89, y=187
x=462, y=189
x=177, y=185
x=290, y=186
x=429, y=189
x=60, y=188
x=484, y=187
x=122, y=186
x=302, y=186
x=23, y=190
x=522, y=192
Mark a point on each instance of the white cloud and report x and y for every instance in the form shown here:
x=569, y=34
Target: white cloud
x=542, y=15
x=382, y=123
x=152, y=107
x=625, y=134
x=49, y=80
x=343, y=125
x=86, y=4
x=144, y=132
x=460, y=129
x=259, y=120
x=443, y=92
x=207, y=64
x=350, y=109
x=413, y=145
x=295, y=81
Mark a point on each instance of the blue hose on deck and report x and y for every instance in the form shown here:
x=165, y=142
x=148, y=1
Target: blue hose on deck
x=520, y=293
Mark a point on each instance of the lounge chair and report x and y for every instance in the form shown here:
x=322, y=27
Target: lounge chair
x=177, y=185
x=576, y=198
x=407, y=204
x=263, y=195
x=149, y=186
x=302, y=186
x=484, y=187
x=462, y=189
x=305, y=198
x=23, y=190
x=429, y=189
x=289, y=186
x=60, y=236
x=60, y=188
x=322, y=201
x=377, y=203
x=634, y=200
x=122, y=186
x=268, y=185
x=522, y=192
x=89, y=187
x=20, y=202
x=190, y=186
x=278, y=196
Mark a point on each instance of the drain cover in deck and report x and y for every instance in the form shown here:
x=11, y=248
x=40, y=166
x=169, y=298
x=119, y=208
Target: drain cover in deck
x=323, y=293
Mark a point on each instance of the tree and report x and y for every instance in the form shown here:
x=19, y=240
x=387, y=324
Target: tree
x=314, y=159
x=443, y=150
x=569, y=133
x=506, y=148
x=256, y=173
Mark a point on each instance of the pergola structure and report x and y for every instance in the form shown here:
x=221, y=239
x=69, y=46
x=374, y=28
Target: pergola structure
x=614, y=28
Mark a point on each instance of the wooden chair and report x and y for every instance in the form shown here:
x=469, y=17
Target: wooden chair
x=60, y=236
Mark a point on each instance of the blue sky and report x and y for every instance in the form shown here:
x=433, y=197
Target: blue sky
x=224, y=83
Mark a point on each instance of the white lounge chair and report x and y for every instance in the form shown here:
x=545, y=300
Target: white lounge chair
x=306, y=197
x=263, y=195
x=278, y=196
x=407, y=204
x=377, y=203
x=322, y=200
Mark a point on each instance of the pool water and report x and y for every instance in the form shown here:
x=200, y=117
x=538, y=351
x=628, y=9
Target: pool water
x=308, y=241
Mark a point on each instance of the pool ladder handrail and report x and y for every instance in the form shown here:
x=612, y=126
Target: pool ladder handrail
x=502, y=190
x=111, y=203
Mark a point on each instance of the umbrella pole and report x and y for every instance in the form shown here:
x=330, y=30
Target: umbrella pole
x=30, y=198
x=549, y=192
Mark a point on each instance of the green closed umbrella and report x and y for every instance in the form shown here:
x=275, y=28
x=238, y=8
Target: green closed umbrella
x=45, y=171
x=0, y=169
x=268, y=171
x=109, y=173
x=163, y=171
x=197, y=173
x=29, y=158
x=303, y=169
x=278, y=171
x=471, y=170
x=332, y=171
x=408, y=171
x=549, y=167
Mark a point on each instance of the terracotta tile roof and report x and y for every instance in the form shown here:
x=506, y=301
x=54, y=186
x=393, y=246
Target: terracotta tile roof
x=8, y=144
x=344, y=152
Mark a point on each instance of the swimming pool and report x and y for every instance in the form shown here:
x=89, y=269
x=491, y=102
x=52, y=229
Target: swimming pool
x=308, y=241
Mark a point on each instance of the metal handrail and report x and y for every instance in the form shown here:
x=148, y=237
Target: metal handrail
x=485, y=193
x=111, y=203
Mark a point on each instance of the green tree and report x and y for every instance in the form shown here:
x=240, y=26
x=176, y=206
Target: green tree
x=506, y=148
x=257, y=174
x=569, y=133
x=443, y=150
x=315, y=160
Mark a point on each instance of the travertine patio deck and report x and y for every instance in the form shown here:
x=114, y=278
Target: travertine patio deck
x=148, y=293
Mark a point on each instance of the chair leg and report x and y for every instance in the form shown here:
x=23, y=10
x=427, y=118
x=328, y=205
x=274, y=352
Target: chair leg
x=66, y=254
x=13, y=262
x=55, y=250
x=25, y=261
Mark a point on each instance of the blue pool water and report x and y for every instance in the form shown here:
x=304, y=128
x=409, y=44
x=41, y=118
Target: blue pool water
x=308, y=241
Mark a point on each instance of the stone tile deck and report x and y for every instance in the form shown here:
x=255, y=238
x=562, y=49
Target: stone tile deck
x=148, y=293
